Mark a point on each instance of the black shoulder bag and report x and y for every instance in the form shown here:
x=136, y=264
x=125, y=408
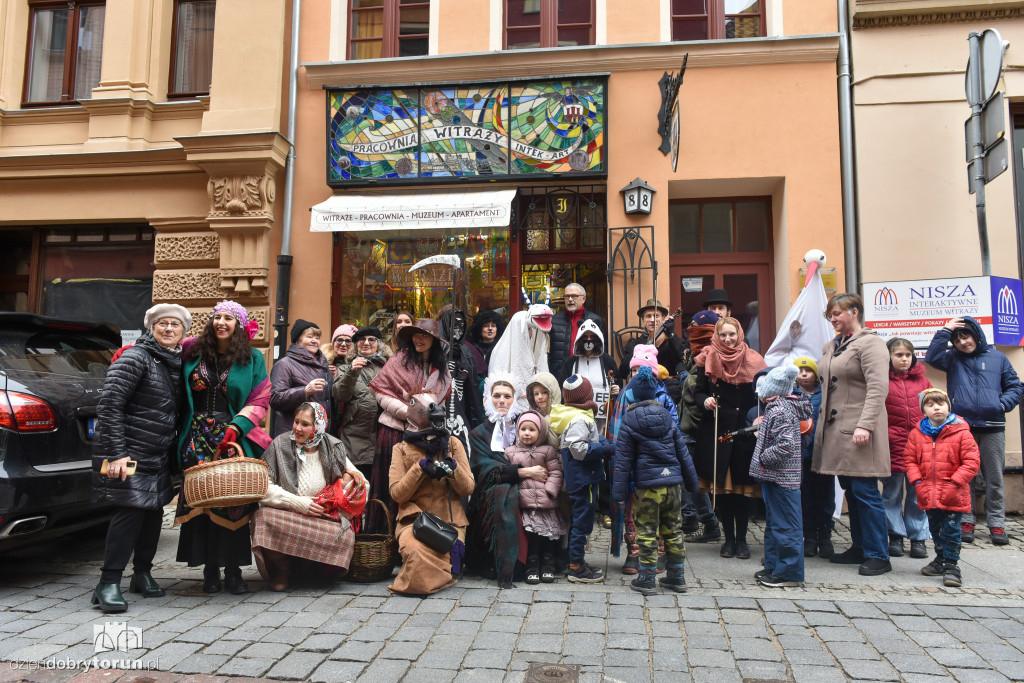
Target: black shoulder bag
x=434, y=532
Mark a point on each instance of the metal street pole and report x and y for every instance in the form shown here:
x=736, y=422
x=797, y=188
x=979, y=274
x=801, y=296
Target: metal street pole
x=978, y=148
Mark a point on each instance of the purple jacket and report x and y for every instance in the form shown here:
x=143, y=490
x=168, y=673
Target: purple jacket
x=288, y=380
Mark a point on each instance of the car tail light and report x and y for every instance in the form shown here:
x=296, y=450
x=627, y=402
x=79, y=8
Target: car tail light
x=24, y=413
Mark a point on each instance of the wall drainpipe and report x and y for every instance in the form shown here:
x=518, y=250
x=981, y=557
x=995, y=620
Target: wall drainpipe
x=851, y=231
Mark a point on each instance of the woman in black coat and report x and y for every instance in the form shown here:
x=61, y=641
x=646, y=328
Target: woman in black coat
x=137, y=420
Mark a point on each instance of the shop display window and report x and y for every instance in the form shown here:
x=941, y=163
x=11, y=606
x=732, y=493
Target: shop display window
x=375, y=281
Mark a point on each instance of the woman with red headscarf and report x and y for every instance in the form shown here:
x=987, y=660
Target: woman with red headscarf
x=724, y=384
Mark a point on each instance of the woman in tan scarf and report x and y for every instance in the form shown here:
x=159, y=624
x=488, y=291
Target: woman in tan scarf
x=724, y=382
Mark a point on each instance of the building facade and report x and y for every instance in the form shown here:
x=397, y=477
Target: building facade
x=917, y=219
x=140, y=150
x=504, y=130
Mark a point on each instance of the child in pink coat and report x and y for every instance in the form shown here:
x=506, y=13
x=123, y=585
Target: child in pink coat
x=540, y=480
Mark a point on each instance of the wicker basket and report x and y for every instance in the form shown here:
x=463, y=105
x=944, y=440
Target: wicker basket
x=230, y=481
x=374, y=555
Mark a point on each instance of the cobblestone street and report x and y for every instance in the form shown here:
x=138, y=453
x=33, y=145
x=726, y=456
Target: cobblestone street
x=899, y=626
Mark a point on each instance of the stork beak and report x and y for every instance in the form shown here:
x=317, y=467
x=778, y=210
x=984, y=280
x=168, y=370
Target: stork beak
x=543, y=321
x=812, y=268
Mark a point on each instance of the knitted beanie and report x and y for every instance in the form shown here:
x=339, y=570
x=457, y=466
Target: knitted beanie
x=933, y=394
x=347, y=330
x=778, y=382
x=531, y=416
x=645, y=354
x=705, y=318
x=643, y=386
x=805, y=362
x=301, y=326
x=167, y=311
x=578, y=392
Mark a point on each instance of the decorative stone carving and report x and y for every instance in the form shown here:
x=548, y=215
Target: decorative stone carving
x=180, y=286
x=241, y=195
x=980, y=15
x=174, y=248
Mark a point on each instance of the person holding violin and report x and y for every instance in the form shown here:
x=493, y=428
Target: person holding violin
x=661, y=332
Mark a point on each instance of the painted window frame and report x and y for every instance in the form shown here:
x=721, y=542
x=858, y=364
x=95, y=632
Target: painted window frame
x=391, y=36
x=70, y=49
x=171, y=92
x=716, y=18
x=548, y=10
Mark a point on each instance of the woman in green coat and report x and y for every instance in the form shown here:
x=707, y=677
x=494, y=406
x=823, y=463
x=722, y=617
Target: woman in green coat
x=228, y=395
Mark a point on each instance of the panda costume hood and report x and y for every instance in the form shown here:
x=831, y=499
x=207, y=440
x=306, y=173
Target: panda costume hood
x=590, y=360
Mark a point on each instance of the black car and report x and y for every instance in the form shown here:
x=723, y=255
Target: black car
x=51, y=377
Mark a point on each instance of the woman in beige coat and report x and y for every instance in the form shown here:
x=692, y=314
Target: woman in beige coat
x=429, y=473
x=852, y=440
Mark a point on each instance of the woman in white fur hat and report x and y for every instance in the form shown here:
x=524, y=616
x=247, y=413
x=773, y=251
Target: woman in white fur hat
x=138, y=414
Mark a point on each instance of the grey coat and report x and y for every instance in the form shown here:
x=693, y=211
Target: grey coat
x=288, y=380
x=358, y=427
x=854, y=384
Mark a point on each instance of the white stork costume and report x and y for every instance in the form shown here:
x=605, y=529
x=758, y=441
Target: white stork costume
x=522, y=350
x=804, y=331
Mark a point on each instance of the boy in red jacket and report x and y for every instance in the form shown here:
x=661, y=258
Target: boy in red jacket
x=942, y=459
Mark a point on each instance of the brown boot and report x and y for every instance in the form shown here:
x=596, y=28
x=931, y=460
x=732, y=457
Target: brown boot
x=279, y=567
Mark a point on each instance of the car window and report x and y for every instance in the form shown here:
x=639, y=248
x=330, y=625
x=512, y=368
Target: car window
x=60, y=352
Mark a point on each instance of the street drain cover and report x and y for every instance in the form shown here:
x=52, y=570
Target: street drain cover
x=538, y=672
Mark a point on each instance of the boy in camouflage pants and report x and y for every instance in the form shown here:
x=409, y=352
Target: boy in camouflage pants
x=650, y=452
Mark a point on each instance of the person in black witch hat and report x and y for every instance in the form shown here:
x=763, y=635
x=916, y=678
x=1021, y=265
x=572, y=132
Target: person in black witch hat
x=670, y=354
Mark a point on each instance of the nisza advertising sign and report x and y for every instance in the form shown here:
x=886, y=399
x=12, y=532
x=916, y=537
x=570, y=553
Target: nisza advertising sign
x=916, y=309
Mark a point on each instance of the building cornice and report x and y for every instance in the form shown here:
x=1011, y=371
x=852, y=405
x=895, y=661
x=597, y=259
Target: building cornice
x=95, y=164
x=489, y=66
x=896, y=13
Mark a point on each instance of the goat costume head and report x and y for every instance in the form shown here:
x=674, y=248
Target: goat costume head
x=522, y=350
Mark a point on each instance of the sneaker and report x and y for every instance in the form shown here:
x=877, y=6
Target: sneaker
x=631, y=565
x=742, y=550
x=999, y=536
x=810, y=547
x=584, y=573
x=851, y=556
x=606, y=522
x=728, y=549
x=895, y=546
x=772, y=581
x=691, y=525
x=761, y=574
x=645, y=582
x=918, y=550
x=933, y=568
x=874, y=566
x=951, y=576
x=533, y=576
x=710, y=532
x=676, y=579
x=967, y=532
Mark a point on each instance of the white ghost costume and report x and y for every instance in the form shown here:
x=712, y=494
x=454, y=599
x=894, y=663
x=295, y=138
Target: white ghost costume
x=522, y=350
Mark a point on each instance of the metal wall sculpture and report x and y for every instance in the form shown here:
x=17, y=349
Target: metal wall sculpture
x=508, y=131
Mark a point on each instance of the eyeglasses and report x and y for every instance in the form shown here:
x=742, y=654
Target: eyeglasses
x=836, y=314
x=572, y=296
x=343, y=342
x=172, y=325
x=367, y=341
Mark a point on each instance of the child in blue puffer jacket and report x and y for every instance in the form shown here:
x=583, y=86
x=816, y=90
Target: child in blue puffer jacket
x=651, y=451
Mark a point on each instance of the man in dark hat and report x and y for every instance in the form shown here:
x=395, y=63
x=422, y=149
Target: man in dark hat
x=565, y=326
x=718, y=302
x=670, y=353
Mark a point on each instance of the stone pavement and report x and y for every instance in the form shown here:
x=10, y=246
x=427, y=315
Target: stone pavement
x=900, y=626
